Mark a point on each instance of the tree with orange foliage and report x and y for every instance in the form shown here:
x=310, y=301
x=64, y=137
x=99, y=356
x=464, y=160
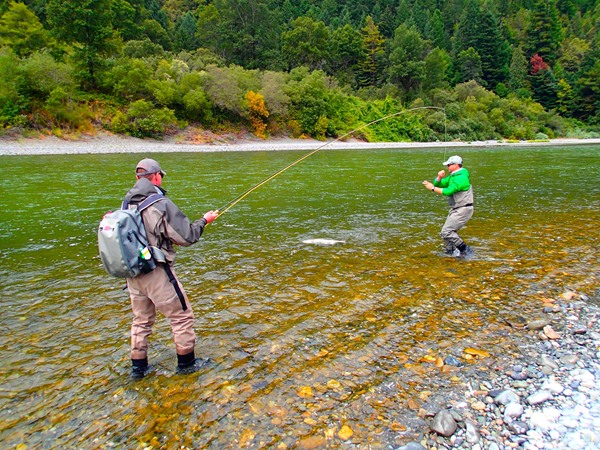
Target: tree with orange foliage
x=258, y=113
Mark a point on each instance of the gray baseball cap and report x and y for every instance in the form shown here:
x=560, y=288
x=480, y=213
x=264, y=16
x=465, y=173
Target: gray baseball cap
x=149, y=166
x=454, y=160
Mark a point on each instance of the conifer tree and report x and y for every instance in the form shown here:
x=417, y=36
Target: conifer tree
x=543, y=82
x=21, y=30
x=517, y=74
x=373, y=54
x=307, y=43
x=469, y=66
x=185, y=33
x=435, y=31
x=479, y=29
x=545, y=33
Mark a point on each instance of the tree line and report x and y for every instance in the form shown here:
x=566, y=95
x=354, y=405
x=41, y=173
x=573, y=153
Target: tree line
x=491, y=68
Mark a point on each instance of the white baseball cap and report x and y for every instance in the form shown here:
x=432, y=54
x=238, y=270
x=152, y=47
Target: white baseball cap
x=454, y=160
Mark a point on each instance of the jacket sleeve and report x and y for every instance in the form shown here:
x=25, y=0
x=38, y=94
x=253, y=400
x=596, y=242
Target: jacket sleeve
x=180, y=229
x=443, y=183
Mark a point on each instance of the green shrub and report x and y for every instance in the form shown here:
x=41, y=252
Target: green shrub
x=142, y=119
x=67, y=112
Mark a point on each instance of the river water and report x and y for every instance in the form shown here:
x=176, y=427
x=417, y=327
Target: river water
x=312, y=346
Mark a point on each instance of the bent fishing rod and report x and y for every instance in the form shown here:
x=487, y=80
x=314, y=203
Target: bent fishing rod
x=239, y=198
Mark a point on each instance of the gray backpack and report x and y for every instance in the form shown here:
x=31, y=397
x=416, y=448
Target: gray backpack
x=124, y=248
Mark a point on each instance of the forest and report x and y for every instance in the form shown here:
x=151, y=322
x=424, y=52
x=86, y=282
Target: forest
x=469, y=69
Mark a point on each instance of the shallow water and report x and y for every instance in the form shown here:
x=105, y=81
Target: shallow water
x=305, y=339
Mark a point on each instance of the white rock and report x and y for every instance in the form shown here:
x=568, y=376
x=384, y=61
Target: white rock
x=540, y=421
x=513, y=410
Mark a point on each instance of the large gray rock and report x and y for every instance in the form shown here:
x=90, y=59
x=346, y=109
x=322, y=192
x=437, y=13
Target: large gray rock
x=444, y=424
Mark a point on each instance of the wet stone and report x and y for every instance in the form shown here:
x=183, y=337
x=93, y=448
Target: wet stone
x=552, y=386
x=412, y=446
x=539, y=397
x=518, y=427
x=506, y=397
x=521, y=384
x=547, y=361
x=472, y=434
x=537, y=324
x=513, y=410
x=521, y=375
x=569, y=360
x=444, y=424
x=580, y=329
x=452, y=361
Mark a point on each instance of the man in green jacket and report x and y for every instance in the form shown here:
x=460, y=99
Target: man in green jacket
x=457, y=187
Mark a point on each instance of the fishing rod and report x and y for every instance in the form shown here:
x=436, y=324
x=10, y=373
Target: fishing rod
x=239, y=198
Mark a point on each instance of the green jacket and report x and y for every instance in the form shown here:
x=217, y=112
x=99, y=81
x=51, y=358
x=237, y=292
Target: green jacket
x=457, y=187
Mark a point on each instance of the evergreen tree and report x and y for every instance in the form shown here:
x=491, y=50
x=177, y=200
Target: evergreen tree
x=493, y=49
x=518, y=71
x=154, y=31
x=208, y=27
x=437, y=65
x=469, y=66
x=479, y=29
x=435, y=31
x=545, y=35
x=249, y=33
x=21, y=30
x=566, y=98
x=588, y=84
x=372, y=54
x=126, y=19
x=566, y=7
x=159, y=14
x=185, y=33
x=543, y=82
x=345, y=53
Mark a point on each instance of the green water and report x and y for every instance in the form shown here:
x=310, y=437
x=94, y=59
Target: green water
x=304, y=339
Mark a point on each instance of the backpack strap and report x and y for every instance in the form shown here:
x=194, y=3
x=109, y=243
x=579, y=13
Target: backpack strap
x=149, y=201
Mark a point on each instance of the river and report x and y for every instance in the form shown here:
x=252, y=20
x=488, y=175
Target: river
x=312, y=346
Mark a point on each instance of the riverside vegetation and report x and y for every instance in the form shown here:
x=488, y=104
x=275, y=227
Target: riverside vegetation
x=518, y=70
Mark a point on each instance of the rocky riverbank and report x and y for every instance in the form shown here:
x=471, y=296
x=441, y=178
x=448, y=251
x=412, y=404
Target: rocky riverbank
x=108, y=143
x=546, y=397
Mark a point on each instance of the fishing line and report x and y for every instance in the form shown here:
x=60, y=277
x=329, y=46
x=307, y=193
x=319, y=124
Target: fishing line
x=239, y=198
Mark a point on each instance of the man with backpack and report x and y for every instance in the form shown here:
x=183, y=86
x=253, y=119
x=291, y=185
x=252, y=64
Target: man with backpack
x=166, y=226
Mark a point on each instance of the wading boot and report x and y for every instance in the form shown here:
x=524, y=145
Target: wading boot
x=187, y=364
x=451, y=250
x=140, y=368
x=465, y=251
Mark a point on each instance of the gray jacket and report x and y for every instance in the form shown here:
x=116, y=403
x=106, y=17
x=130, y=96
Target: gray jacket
x=165, y=224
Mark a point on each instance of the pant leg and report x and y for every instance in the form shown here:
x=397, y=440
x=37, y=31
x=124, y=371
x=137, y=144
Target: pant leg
x=457, y=218
x=144, y=316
